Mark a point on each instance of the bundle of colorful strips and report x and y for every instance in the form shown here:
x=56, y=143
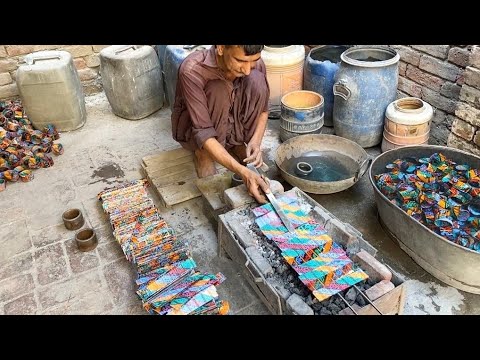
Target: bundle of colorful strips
x=439, y=193
x=322, y=265
x=168, y=283
x=23, y=148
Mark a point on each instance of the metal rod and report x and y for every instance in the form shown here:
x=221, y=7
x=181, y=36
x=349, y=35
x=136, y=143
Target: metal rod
x=346, y=302
x=366, y=297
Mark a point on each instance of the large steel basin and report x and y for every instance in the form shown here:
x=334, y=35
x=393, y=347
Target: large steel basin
x=453, y=264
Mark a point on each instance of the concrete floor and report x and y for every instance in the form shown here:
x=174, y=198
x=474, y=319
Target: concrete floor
x=42, y=272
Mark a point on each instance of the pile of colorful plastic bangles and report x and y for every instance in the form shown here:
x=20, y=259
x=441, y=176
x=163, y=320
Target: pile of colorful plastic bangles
x=439, y=193
x=22, y=148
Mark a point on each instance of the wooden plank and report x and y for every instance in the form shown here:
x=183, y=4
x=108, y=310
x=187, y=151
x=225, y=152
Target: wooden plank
x=388, y=304
x=174, y=178
x=165, y=156
x=160, y=165
x=171, y=170
x=172, y=174
x=174, y=194
x=144, y=170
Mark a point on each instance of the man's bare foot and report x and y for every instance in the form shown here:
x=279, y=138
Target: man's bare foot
x=204, y=164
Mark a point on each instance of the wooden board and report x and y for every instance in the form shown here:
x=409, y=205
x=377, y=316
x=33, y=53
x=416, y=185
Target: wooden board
x=165, y=156
x=172, y=174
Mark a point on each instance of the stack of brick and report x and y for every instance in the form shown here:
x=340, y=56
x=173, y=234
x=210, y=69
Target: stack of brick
x=466, y=127
x=434, y=73
x=85, y=58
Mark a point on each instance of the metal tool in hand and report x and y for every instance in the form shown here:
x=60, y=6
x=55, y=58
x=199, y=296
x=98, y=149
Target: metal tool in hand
x=274, y=202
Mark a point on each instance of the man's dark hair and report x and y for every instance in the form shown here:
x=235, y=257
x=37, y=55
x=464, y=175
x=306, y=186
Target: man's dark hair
x=250, y=49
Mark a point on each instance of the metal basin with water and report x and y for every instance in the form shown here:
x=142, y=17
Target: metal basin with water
x=335, y=163
x=453, y=264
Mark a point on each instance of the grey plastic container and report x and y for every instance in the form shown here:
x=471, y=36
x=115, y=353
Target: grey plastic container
x=132, y=80
x=51, y=90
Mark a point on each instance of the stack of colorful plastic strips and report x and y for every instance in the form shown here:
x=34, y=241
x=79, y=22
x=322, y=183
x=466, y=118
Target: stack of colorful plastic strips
x=167, y=280
x=322, y=265
x=439, y=193
x=22, y=148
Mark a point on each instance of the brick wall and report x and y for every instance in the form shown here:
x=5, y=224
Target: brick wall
x=466, y=126
x=85, y=58
x=435, y=73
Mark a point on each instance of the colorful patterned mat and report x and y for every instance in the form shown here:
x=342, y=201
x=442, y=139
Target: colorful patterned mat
x=323, y=266
x=439, y=193
x=167, y=281
x=22, y=148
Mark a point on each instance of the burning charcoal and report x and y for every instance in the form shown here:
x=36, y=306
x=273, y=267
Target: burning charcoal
x=338, y=301
x=326, y=301
x=309, y=300
x=360, y=300
x=334, y=308
x=297, y=291
x=317, y=306
x=325, y=311
x=361, y=285
x=351, y=295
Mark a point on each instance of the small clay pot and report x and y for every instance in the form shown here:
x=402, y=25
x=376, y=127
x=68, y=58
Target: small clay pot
x=73, y=219
x=86, y=239
x=303, y=168
x=236, y=180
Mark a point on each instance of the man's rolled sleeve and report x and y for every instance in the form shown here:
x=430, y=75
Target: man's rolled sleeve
x=202, y=135
x=197, y=106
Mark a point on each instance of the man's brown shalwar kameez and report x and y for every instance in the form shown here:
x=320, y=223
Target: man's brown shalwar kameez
x=208, y=105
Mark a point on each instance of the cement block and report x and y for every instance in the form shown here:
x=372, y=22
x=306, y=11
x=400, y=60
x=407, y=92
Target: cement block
x=379, y=289
x=238, y=196
x=298, y=307
x=257, y=258
x=372, y=267
x=244, y=237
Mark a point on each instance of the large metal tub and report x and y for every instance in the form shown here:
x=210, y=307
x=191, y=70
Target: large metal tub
x=451, y=263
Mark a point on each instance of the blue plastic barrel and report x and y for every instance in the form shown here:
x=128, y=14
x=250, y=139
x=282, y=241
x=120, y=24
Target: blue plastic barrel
x=174, y=56
x=365, y=84
x=161, y=49
x=321, y=65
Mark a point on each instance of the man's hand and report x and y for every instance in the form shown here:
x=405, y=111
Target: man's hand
x=255, y=184
x=254, y=154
